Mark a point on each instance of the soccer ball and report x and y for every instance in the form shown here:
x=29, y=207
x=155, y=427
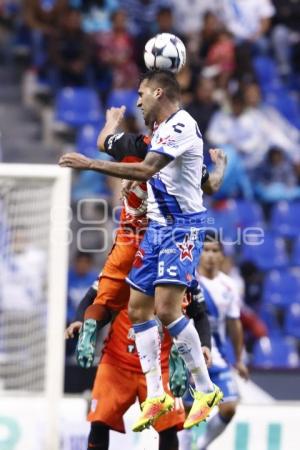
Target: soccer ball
x=165, y=51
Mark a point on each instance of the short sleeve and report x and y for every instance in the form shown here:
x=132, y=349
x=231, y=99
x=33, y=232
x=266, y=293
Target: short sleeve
x=122, y=145
x=176, y=136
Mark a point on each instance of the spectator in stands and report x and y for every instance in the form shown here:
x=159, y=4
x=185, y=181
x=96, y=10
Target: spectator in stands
x=203, y=106
x=42, y=17
x=115, y=50
x=221, y=55
x=248, y=21
x=96, y=13
x=279, y=131
x=276, y=178
x=69, y=51
x=239, y=127
x=189, y=15
x=141, y=14
x=81, y=276
x=286, y=36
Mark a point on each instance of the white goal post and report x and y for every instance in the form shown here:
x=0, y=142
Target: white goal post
x=34, y=226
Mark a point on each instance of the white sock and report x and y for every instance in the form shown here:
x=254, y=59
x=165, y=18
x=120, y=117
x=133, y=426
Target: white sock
x=188, y=345
x=215, y=426
x=147, y=343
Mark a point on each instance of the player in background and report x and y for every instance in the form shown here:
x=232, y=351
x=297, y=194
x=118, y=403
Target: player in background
x=170, y=251
x=223, y=305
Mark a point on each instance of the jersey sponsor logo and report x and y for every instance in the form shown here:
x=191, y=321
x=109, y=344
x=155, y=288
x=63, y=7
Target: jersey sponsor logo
x=167, y=251
x=172, y=271
x=131, y=348
x=113, y=139
x=186, y=248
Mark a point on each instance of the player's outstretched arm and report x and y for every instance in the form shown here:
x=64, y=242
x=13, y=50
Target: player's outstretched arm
x=141, y=171
x=235, y=331
x=114, y=117
x=215, y=179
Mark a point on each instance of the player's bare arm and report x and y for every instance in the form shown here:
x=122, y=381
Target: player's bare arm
x=141, y=171
x=219, y=158
x=235, y=332
x=114, y=117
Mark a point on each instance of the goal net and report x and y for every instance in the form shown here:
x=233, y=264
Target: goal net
x=34, y=204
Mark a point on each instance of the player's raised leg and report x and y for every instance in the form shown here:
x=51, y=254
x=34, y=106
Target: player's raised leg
x=147, y=340
x=168, y=306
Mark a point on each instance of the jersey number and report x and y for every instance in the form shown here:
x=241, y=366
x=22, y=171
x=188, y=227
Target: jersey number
x=177, y=127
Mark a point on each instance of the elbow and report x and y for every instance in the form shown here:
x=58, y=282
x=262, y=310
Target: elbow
x=145, y=174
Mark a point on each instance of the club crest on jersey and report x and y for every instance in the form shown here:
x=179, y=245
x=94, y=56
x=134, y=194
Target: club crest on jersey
x=186, y=248
x=138, y=260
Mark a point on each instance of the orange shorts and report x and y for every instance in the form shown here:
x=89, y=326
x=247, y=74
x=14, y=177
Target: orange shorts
x=116, y=389
x=113, y=291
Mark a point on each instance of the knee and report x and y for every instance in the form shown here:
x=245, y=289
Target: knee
x=166, y=314
x=138, y=314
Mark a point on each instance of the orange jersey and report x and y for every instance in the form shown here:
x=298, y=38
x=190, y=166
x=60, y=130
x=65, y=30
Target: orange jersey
x=119, y=349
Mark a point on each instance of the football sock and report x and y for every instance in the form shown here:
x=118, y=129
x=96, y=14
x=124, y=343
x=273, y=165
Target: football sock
x=147, y=343
x=215, y=426
x=99, y=437
x=188, y=345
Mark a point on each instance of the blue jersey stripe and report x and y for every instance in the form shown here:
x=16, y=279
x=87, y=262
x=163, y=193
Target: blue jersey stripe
x=167, y=203
x=210, y=304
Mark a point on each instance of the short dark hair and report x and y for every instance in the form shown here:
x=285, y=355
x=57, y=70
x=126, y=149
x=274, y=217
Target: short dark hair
x=212, y=236
x=165, y=79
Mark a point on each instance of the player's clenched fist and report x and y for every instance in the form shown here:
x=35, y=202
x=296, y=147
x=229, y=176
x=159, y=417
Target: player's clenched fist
x=75, y=161
x=217, y=155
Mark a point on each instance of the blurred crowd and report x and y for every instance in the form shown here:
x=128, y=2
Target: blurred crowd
x=241, y=83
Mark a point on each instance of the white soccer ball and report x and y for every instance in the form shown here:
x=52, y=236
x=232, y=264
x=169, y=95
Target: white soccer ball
x=165, y=51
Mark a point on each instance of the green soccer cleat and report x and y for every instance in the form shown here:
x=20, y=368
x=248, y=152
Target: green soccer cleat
x=85, y=350
x=178, y=373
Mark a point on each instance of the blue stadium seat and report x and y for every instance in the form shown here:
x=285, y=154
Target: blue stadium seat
x=285, y=103
x=250, y=213
x=281, y=288
x=126, y=97
x=296, y=253
x=267, y=313
x=292, y=320
x=285, y=218
x=86, y=142
x=225, y=219
x=78, y=106
x=266, y=71
x=267, y=255
x=275, y=352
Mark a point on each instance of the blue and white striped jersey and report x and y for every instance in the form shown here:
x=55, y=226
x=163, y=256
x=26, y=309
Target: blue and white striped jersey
x=222, y=302
x=175, y=191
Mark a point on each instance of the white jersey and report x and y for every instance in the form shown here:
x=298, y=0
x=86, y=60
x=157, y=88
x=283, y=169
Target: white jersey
x=223, y=302
x=176, y=189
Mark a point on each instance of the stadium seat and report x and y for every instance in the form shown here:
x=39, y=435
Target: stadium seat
x=285, y=218
x=285, y=103
x=250, y=213
x=276, y=352
x=267, y=255
x=292, y=320
x=281, y=288
x=268, y=314
x=296, y=253
x=78, y=106
x=86, y=142
x=126, y=97
x=224, y=217
x=266, y=71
